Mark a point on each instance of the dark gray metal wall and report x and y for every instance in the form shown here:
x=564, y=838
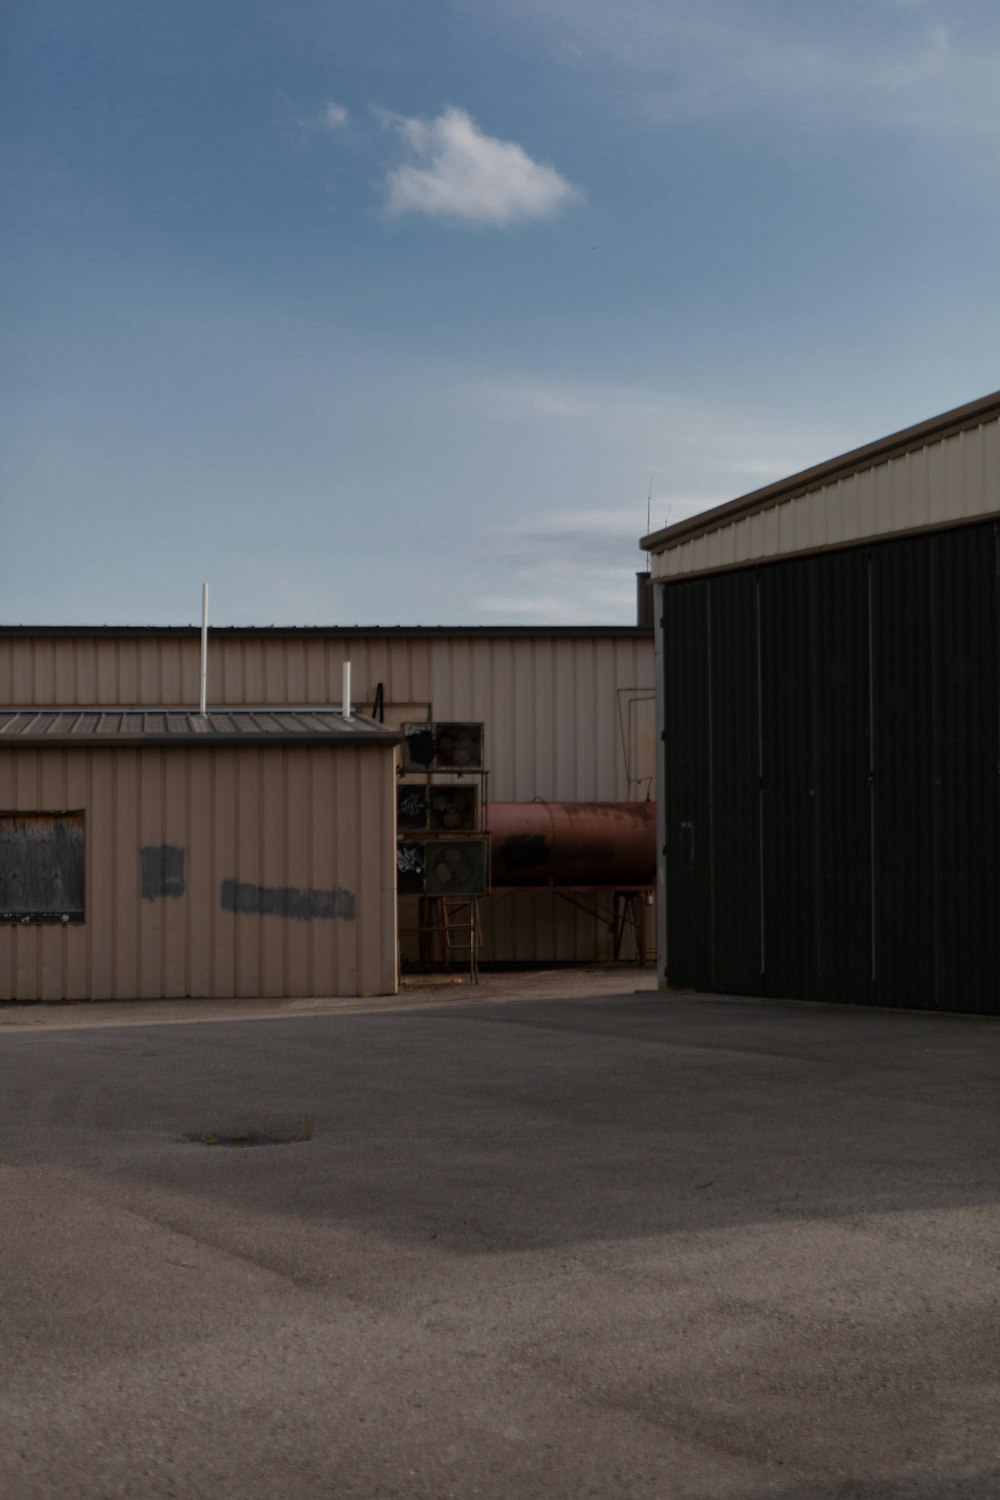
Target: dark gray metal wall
x=830, y=778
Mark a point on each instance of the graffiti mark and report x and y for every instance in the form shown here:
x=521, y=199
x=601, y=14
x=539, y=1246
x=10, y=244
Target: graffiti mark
x=286, y=901
x=162, y=871
x=410, y=859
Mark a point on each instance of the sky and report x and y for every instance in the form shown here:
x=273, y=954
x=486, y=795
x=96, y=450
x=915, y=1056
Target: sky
x=404, y=311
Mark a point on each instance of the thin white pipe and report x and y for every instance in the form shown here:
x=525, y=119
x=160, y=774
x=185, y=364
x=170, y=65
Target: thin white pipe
x=204, y=648
x=347, y=690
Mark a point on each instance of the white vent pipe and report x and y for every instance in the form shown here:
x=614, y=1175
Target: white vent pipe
x=347, y=690
x=204, y=648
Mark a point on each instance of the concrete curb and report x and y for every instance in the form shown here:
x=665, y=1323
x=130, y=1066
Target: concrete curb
x=548, y=984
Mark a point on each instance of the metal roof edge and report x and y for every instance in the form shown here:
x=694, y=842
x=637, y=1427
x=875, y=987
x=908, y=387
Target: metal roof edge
x=184, y=741
x=823, y=549
x=31, y=726
x=934, y=429
x=322, y=632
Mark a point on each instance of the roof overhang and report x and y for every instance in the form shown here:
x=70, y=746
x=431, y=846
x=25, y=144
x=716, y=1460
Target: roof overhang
x=96, y=728
x=381, y=633
x=973, y=414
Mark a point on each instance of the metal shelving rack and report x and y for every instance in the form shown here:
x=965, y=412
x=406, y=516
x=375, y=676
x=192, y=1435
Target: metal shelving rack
x=450, y=923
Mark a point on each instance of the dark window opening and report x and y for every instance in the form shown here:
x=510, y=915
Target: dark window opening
x=42, y=867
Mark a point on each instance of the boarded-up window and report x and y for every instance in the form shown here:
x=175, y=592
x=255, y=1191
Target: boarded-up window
x=41, y=867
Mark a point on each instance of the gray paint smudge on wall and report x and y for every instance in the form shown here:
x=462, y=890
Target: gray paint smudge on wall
x=286, y=901
x=162, y=871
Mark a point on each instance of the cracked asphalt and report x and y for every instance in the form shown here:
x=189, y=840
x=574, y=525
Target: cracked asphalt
x=634, y=1246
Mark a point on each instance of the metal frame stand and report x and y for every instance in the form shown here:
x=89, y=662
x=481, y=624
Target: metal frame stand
x=453, y=926
x=628, y=909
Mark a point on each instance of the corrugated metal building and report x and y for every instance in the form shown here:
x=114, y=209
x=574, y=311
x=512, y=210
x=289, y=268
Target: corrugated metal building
x=569, y=714
x=151, y=854
x=830, y=714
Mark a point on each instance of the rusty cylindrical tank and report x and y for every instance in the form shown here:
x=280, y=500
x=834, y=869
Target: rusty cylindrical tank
x=610, y=844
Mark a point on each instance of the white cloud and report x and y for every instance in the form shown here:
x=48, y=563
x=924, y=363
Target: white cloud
x=565, y=566
x=335, y=115
x=459, y=174
x=929, y=68
x=600, y=525
x=697, y=454
x=584, y=606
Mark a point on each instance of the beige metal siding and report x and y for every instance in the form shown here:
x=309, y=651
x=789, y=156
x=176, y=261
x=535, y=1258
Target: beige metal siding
x=316, y=818
x=943, y=483
x=549, y=706
x=154, y=671
x=560, y=712
x=567, y=718
x=539, y=927
x=555, y=710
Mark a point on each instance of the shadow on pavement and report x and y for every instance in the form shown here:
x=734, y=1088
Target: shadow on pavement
x=516, y=1127
x=979, y=1486
x=752, y=1235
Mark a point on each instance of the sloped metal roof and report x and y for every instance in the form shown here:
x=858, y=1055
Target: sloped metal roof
x=180, y=726
x=935, y=429
x=378, y=633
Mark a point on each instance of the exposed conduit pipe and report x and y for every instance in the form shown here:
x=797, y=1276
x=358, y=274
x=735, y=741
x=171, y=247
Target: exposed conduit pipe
x=204, y=649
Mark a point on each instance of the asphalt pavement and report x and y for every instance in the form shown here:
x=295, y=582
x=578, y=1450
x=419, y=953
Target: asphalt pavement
x=611, y=1247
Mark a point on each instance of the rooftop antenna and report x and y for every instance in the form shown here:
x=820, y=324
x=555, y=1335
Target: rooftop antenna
x=204, y=648
x=649, y=507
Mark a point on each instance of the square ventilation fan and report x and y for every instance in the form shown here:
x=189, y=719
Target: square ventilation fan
x=456, y=867
x=443, y=747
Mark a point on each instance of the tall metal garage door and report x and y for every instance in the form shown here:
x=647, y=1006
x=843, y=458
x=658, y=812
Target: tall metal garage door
x=712, y=814
x=832, y=805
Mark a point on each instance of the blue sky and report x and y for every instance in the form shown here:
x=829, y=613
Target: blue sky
x=384, y=312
